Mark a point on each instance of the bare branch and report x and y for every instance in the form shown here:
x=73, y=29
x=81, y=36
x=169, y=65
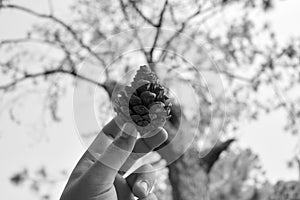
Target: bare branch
x=159, y=25
x=210, y=159
x=48, y=73
x=67, y=53
x=141, y=14
x=29, y=76
x=28, y=40
x=182, y=27
x=60, y=22
x=235, y=76
x=123, y=8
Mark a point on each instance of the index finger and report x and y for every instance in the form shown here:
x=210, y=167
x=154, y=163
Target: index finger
x=109, y=163
x=143, y=145
x=109, y=132
x=112, y=130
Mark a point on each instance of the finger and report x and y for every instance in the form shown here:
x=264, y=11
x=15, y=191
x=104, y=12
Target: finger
x=122, y=188
x=144, y=146
x=85, y=162
x=109, y=132
x=108, y=164
x=113, y=128
x=151, y=196
x=142, y=182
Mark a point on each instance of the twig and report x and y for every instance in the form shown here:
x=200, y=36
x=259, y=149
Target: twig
x=159, y=25
x=210, y=158
x=60, y=22
x=48, y=73
x=235, y=76
x=141, y=14
x=182, y=27
x=26, y=39
x=67, y=53
x=123, y=7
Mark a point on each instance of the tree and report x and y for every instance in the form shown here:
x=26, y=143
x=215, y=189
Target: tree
x=177, y=35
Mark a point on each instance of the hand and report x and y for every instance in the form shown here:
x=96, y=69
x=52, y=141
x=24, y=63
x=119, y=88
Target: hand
x=97, y=174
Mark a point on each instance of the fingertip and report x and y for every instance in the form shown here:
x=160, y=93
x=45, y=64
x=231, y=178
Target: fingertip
x=142, y=181
x=141, y=189
x=163, y=134
x=157, y=139
x=151, y=196
x=129, y=130
x=127, y=139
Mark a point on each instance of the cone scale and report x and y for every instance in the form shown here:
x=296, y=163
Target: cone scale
x=144, y=103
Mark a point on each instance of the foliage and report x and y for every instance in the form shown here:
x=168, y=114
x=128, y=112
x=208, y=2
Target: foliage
x=38, y=181
x=237, y=175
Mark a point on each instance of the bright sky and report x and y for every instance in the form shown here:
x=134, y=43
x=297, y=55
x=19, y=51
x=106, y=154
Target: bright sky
x=20, y=146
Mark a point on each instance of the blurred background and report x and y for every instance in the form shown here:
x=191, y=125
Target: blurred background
x=233, y=66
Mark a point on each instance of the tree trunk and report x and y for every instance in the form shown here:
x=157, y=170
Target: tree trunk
x=188, y=179
x=188, y=175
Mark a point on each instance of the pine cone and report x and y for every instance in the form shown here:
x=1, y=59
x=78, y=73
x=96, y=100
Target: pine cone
x=144, y=102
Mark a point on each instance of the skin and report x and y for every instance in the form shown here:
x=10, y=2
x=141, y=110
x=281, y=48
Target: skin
x=97, y=175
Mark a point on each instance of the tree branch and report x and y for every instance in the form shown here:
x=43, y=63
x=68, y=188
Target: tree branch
x=234, y=76
x=210, y=159
x=67, y=53
x=29, y=40
x=159, y=25
x=48, y=73
x=60, y=22
x=182, y=27
x=123, y=8
x=141, y=14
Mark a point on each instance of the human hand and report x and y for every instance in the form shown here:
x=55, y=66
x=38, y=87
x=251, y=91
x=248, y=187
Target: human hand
x=97, y=176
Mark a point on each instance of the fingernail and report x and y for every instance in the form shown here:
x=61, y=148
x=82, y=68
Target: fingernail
x=144, y=187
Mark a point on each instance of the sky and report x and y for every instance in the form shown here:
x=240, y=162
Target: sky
x=58, y=146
